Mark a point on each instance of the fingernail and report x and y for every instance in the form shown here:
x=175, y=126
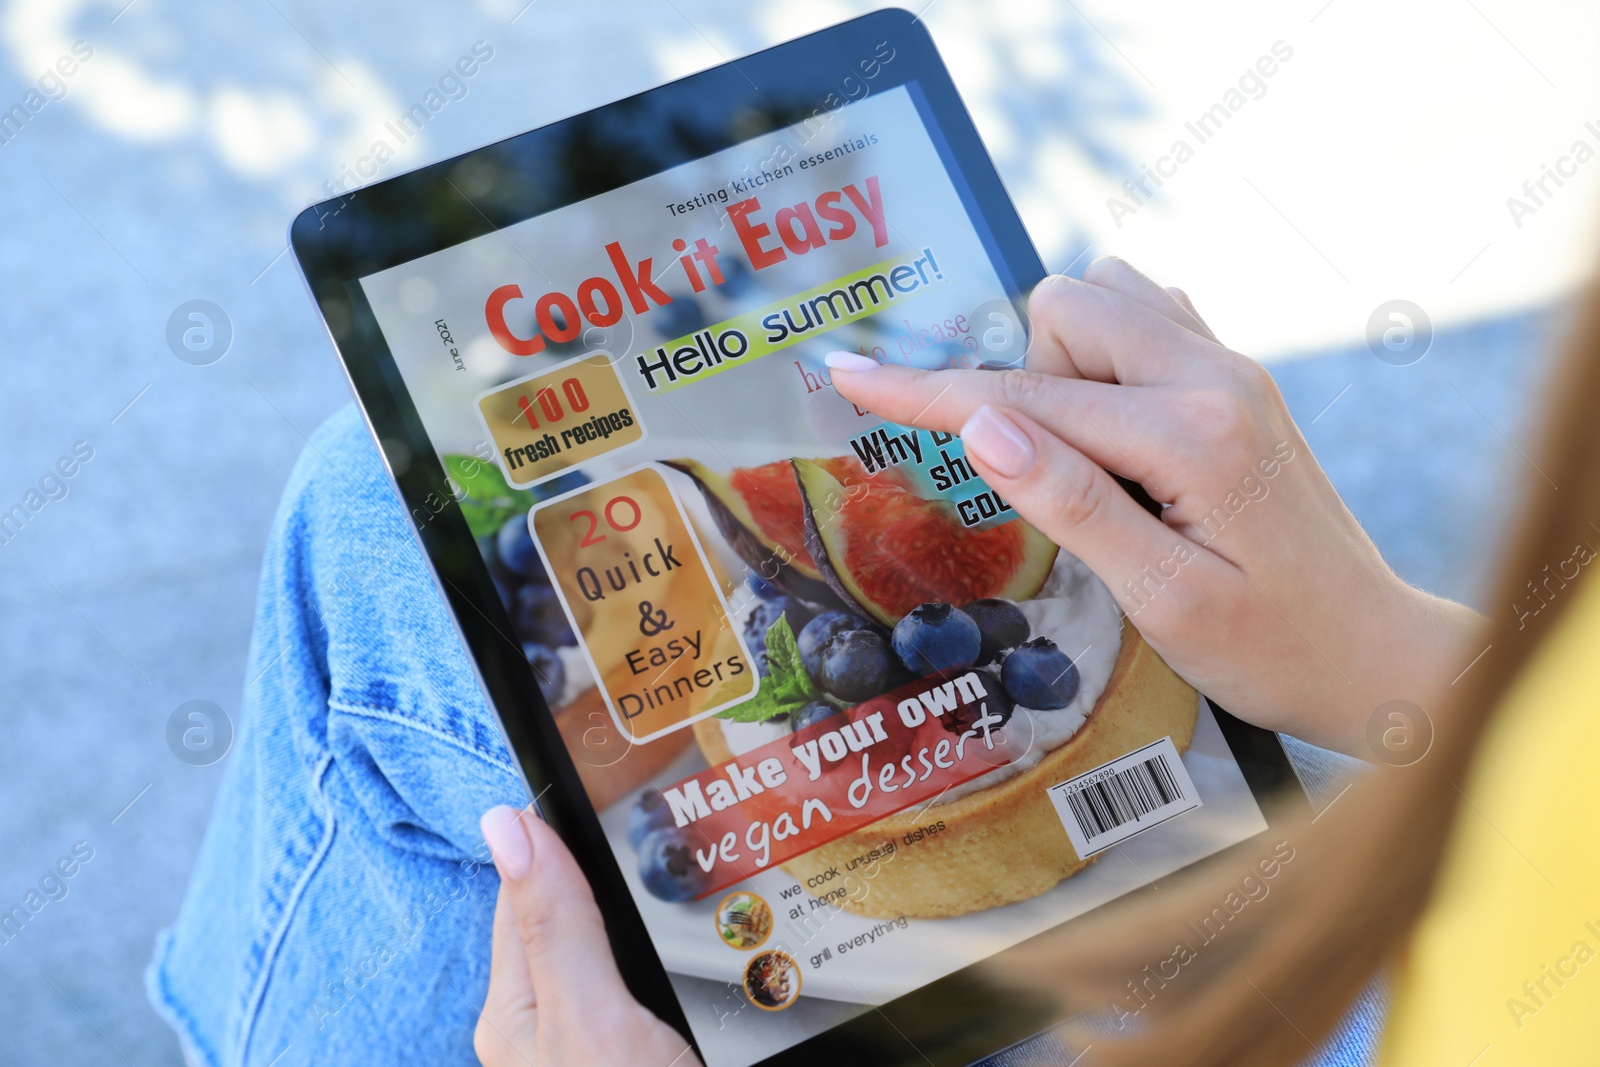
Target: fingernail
x=508, y=841
x=853, y=361
x=995, y=440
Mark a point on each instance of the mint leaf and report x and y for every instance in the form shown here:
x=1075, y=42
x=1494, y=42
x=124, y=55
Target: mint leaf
x=489, y=502
x=761, y=707
x=790, y=682
x=787, y=687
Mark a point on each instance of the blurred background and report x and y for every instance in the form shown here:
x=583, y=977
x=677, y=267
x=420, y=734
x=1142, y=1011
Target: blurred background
x=1439, y=153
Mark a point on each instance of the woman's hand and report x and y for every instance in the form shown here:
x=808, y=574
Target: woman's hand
x=555, y=997
x=1256, y=583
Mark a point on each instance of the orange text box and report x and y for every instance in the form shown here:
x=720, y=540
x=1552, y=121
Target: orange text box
x=549, y=422
x=645, y=604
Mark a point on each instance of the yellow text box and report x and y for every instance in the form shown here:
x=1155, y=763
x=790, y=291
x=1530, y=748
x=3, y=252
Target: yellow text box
x=550, y=422
x=802, y=317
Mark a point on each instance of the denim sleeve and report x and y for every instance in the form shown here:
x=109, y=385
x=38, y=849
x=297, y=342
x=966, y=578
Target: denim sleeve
x=339, y=911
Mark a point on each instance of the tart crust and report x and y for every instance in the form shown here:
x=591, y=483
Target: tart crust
x=1005, y=843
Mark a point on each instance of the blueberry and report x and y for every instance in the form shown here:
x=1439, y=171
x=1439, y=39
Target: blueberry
x=898, y=675
x=812, y=713
x=761, y=619
x=515, y=548
x=650, y=812
x=564, y=483
x=755, y=633
x=502, y=589
x=1002, y=624
x=756, y=640
x=855, y=665
x=537, y=616
x=995, y=702
x=763, y=588
x=818, y=632
x=668, y=868
x=937, y=639
x=548, y=668
x=1039, y=675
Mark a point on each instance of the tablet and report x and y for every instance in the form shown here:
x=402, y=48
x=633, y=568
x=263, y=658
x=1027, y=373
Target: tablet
x=824, y=721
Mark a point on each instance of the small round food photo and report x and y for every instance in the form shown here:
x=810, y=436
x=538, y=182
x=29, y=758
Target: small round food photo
x=772, y=980
x=744, y=920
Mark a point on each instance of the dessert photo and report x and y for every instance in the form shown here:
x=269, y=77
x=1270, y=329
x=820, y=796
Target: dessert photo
x=852, y=592
x=883, y=587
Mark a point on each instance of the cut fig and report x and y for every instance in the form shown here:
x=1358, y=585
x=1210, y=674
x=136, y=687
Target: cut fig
x=759, y=512
x=885, y=549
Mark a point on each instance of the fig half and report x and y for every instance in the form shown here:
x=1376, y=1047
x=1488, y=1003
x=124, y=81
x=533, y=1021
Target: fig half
x=759, y=513
x=885, y=549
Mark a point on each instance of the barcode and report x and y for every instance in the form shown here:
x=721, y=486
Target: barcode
x=1124, y=797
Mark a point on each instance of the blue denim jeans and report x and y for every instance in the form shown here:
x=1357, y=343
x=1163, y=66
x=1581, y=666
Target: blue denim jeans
x=340, y=909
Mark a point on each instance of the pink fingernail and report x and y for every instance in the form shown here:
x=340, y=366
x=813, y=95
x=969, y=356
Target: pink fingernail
x=508, y=841
x=850, y=361
x=993, y=439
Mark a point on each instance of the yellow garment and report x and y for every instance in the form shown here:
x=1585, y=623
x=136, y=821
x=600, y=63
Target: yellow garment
x=1504, y=969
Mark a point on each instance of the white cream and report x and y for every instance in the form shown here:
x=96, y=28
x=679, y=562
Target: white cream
x=579, y=677
x=1076, y=611
x=744, y=736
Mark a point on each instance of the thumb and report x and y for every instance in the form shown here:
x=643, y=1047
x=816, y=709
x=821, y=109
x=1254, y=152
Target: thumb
x=555, y=916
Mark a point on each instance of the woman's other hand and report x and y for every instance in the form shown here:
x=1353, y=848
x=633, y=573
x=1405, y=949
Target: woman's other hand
x=555, y=997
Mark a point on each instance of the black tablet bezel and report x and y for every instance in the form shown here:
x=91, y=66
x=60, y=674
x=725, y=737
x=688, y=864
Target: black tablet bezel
x=951, y=1021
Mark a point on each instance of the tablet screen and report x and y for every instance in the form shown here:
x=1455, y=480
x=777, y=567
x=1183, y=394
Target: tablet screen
x=849, y=723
